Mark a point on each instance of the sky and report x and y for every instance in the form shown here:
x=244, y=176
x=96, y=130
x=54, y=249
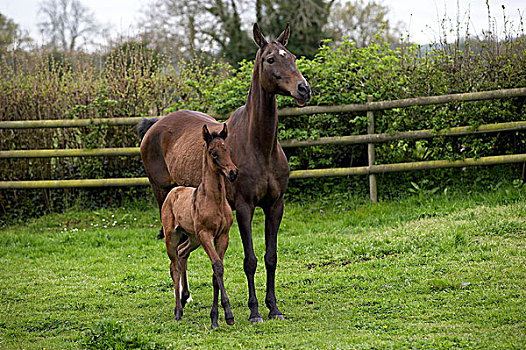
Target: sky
x=421, y=18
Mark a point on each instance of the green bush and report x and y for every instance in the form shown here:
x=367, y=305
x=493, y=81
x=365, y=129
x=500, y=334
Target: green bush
x=344, y=74
x=135, y=81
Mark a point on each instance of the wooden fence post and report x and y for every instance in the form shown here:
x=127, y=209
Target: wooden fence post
x=370, y=154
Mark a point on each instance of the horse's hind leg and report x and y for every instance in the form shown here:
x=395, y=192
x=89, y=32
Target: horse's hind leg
x=160, y=194
x=185, y=289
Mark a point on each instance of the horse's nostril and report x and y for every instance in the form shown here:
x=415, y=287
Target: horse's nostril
x=304, y=89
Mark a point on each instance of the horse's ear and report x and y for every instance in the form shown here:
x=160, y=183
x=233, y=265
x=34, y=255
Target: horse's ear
x=284, y=37
x=224, y=133
x=206, y=135
x=258, y=37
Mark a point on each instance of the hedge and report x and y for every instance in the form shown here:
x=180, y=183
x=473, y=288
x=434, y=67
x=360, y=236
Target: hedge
x=136, y=81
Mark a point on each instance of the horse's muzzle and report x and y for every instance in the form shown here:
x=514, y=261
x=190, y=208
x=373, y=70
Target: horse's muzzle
x=303, y=94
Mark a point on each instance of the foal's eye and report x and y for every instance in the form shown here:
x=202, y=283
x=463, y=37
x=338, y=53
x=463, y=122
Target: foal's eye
x=214, y=154
x=271, y=60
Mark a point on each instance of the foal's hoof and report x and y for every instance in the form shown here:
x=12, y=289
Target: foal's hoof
x=256, y=319
x=230, y=321
x=178, y=315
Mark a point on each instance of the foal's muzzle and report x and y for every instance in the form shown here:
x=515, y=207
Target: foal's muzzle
x=232, y=175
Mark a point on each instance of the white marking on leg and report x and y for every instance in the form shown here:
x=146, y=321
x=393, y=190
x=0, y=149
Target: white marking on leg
x=188, y=289
x=180, y=289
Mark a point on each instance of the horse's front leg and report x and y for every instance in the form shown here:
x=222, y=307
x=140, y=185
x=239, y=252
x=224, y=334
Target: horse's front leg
x=244, y=213
x=273, y=216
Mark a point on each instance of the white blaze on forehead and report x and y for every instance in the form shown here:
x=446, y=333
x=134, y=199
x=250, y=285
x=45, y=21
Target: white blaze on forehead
x=282, y=52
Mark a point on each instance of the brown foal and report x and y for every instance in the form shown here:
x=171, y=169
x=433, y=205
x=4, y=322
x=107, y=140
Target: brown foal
x=204, y=216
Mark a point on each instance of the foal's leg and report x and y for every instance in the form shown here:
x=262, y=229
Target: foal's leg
x=183, y=250
x=185, y=289
x=221, y=245
x=206, y=239
x=172, y=239
x=244, y=214
x=273, y=216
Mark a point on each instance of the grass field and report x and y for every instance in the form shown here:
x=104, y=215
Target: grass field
x=430, y=271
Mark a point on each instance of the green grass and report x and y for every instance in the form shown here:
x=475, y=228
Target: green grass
x=430, y=271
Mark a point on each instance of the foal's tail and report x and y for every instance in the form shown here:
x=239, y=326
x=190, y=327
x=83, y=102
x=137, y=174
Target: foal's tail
x=144, y=125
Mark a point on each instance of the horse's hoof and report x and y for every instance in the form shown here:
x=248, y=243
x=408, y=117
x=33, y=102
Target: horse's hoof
x=178, y=315
x=256, y=319
x=214, y=325
x=230, y=321
x=186, y=299
x=276, y=317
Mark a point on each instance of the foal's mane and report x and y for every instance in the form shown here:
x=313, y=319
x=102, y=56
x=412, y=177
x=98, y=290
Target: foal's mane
x=214, y=135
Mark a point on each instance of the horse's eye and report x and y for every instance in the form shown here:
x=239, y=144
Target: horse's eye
x=271, y=60
x=214, y=154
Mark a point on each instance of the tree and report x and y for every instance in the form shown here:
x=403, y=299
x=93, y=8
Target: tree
x=11, y=36
x=361, y=21
x=217, y=27
x=306, y=17
x=194, y=27
x=67, y=23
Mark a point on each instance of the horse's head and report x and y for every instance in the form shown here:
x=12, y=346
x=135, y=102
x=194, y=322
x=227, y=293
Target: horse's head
x=277, y=68
x=219, y=153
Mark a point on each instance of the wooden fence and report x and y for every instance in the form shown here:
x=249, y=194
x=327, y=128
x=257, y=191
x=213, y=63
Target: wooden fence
x=370, y=139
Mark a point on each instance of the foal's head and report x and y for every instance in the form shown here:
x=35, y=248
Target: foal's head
x=219, y=153
x=277, y=68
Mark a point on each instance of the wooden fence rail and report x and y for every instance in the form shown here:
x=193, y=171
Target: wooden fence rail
x=370, y=139
x=296, y=174
x=336, y=140
x=369, y=106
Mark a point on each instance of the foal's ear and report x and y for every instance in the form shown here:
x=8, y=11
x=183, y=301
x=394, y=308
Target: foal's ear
x=258, y=37
x=224, y=133
x=206, y=135
x=284, y=37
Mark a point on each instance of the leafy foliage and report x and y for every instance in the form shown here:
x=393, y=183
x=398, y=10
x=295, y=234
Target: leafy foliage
x=136, y=81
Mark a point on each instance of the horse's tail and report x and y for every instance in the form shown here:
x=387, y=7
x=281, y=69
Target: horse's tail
x=144, y=125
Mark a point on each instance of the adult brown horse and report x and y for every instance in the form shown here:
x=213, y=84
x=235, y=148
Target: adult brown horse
x=171, y=151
